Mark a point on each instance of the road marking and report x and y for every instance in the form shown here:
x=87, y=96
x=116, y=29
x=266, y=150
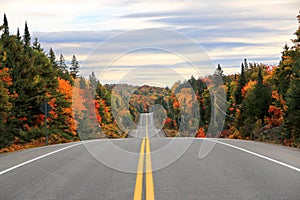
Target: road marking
x=138, y=191
x=260, y=156
x=149, y=176
x=37, y=158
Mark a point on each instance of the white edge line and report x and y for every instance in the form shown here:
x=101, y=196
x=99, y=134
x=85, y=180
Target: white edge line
x=37, y=158
x=260, y=156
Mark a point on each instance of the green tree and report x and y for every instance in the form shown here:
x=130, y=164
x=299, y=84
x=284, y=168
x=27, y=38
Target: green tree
x=246, y=64
x=62, y=64
x=292, y=113
x=52, y=57
x=63, y=69
x=36, y=45
x=5, y=26
x=256, y=105
x=258, y=99
x=291, y=62
x=18, y=35
x=74, y=69
x=26, y=37
x=241, y=84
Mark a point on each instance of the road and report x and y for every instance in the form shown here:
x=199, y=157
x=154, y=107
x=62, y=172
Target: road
x=140, y=132
x=233, y=169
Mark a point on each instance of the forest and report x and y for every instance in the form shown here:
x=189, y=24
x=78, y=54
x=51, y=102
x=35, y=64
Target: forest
x=262, y=101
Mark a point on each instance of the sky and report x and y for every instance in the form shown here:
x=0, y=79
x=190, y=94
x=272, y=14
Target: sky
x=160, y=40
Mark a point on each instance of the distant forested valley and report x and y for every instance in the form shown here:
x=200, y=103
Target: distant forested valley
x=262, y=101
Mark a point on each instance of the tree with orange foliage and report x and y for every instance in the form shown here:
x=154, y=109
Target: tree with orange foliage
x=201, y=133
x=5, y=107
x=63, y=107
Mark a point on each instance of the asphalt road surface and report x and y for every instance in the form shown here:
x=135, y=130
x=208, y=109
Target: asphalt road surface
x=233, y=169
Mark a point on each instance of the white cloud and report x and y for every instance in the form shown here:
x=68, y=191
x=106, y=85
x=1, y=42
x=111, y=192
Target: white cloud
x=228, y=30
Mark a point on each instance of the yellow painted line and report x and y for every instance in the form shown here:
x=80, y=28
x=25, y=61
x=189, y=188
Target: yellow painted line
x=138, y=191
x=149, y=176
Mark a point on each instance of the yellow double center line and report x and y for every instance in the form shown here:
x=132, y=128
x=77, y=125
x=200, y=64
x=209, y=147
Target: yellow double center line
x=138, y=192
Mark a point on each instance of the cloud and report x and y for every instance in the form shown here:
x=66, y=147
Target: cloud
x=228, y=31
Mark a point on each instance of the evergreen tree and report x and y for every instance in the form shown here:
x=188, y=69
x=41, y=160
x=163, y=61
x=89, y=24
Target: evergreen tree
x=283, y=73
x=5, y=35
x=74, y=69
x=93, y=81
x=241, y=84
x=36, y=45
x=27, y=37
x=219, y=71
x=63, y=70
x=291, y=57
x=292, y=113
x=52, y=57
x=246, y=64
x=5, y=26
x=256, y=103
x=18, y=35
x=62, y=64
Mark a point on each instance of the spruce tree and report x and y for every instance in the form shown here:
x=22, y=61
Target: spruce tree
x=36, y=45
x=52, y=57
x=74, y=69
x=292, y=113
x=241, y=84
x=63, y=70
x=291, y=56
x=62, y=64
x=5, y=35
x=246, y=64
x=219, y=71
x=27, y=37
x=5, y=26
x=18, y=35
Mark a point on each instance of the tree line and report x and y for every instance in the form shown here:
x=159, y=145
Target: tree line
x=30, y=76
x=262, y=102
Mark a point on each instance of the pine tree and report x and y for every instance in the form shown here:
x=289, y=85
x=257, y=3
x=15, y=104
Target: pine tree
x=36, y=45
x=74, y=69
x=5, y=35
x=62, y=64
x=18, y=35
x=246, y=64
x=292, y=113
x=241, y=84
x=219, y=70
x=5, y=26
x=27, y=37
x=63, y=70
x=219, y=73
x=263, y=97
x=256, y=105
x=52, y=57
x=291, y=57
x=93, y=81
